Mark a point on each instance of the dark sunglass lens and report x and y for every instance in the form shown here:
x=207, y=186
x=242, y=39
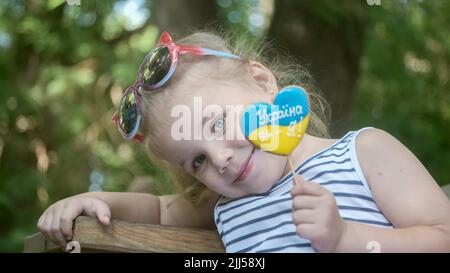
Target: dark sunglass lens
x=128, y=113
x=157, y=66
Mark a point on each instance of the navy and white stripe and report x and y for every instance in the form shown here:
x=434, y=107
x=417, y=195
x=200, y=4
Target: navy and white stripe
x=263, y=222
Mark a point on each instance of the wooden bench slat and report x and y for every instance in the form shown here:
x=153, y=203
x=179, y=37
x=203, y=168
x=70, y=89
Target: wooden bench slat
x=121, y=236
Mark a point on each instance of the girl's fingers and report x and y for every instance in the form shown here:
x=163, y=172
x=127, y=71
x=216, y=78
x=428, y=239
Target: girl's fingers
x=306, y=230
x=42, y=223
x=307, y=188
x=99, y=209
x=55, y=229
x=47, y=224
x=304, y=216
x=103, y=214
x=69, y=214
x=298, y=179
x=305, y=202
x=56, y=223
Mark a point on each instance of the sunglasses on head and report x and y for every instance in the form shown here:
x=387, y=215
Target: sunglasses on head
x=156, y=69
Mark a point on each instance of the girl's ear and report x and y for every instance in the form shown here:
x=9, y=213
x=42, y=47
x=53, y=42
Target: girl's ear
x=263, y=78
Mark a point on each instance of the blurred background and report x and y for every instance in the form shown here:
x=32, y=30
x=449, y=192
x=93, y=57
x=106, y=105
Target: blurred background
x=64, y=64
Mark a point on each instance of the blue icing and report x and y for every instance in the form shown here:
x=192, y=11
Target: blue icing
x=291, y=104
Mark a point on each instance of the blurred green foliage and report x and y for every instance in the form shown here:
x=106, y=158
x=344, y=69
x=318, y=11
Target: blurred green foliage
x=63, y=68
x=404, y=85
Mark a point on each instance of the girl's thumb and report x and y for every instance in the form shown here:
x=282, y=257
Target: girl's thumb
x=103, y=213
x=298, y=179
x=104, y=219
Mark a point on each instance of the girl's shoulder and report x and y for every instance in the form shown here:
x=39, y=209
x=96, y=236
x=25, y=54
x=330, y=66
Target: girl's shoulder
x=365, y=145
x=325, y=143
x=373, y=140
x=377, y=150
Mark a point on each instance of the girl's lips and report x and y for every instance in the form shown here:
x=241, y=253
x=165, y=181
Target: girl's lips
x=246, y=168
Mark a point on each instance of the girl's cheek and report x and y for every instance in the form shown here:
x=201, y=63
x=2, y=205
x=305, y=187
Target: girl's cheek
x=207, y=179
x=213, y=183
x=233, y=129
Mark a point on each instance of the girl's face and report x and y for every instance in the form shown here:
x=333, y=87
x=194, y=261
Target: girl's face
x=212, y=147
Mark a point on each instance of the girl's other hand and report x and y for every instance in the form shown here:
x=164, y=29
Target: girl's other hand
x=57, y=221
x=316, y=216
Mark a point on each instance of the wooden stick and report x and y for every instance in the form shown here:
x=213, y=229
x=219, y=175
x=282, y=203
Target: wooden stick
x=296, y=181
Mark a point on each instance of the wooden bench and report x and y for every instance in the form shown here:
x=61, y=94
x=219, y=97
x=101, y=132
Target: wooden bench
x=90, y=236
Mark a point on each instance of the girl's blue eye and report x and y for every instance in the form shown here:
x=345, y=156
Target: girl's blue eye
x=198, y=161
x=219, y=125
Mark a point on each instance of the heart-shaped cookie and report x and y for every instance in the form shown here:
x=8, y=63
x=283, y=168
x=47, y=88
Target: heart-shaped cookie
x=278, y=128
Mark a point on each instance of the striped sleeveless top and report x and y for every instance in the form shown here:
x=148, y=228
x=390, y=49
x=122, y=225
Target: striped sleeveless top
x=263, y=222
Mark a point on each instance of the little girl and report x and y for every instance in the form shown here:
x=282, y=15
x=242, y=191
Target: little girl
x=361, y=192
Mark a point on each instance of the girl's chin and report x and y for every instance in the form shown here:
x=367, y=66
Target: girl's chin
x=264, y=187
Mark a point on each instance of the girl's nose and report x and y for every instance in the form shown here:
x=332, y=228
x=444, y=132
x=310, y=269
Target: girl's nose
x=221, y=158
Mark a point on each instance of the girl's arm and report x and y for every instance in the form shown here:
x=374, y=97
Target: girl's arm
x=127, y=206
x=57, y=221
x=407, y=195
x=171, y=210
x=177, y=211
